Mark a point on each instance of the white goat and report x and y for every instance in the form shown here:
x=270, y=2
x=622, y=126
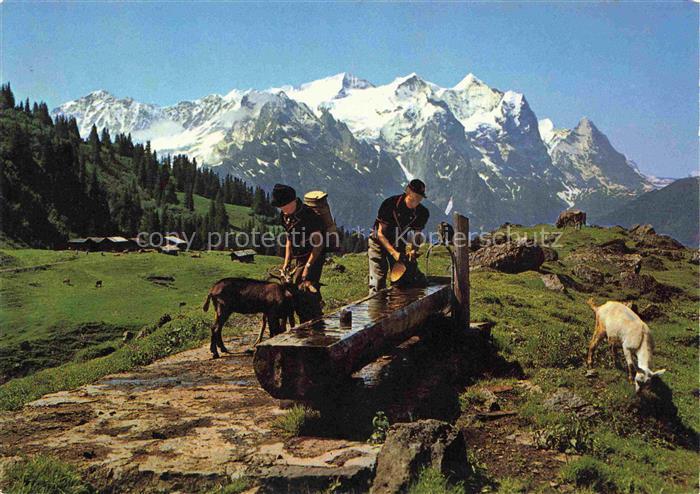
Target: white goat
x=622, y=326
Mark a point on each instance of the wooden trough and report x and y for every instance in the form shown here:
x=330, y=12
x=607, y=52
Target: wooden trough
x=301, y=363
x=306, y=361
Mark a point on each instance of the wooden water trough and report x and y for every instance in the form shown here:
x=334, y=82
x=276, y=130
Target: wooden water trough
x=306, y=361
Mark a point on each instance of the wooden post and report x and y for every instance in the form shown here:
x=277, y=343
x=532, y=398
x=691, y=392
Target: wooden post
x=460, y=296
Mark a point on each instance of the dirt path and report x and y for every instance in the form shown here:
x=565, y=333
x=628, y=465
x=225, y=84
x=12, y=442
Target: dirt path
x=37, y=267
x=179, y=424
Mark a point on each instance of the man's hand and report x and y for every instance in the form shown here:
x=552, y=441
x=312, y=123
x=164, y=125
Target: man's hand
x=305, y=271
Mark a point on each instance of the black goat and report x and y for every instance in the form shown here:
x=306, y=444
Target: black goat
x=275, y=300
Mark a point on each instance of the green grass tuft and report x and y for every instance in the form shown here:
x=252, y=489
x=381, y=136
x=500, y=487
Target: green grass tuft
x=432, y=481
x=43, y=475
x=234, y=487
x=297, y=421
x=588, y=472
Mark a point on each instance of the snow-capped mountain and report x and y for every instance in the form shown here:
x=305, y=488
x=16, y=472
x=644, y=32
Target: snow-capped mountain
x=598, y=177
x=479, y=146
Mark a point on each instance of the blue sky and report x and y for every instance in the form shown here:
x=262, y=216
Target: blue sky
x=631, y=68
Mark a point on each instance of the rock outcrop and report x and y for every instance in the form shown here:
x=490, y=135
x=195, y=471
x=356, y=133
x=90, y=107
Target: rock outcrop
x=552, y=282
x=509, y=257
x=412, y=446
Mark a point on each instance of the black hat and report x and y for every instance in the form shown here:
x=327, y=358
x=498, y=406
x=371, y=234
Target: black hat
x=282, y=194
x=417, y=186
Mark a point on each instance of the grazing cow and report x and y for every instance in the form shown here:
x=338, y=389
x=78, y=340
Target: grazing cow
x=573, y=217
x=98, y=284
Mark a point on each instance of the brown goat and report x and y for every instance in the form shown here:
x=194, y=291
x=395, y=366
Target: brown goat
x=246, y=296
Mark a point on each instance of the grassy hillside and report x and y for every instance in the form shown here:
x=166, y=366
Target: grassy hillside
x=672, y=210
x=238, y=215
x=55, y=185
x=49, y=320
x=631, y=443
x=612, y=441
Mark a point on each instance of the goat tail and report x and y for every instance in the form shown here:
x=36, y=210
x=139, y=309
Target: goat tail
x=592, y=304
x=206, y=302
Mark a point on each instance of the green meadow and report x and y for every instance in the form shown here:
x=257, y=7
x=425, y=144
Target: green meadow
x=633, y=443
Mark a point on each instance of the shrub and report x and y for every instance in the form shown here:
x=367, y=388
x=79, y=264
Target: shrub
x=380, y=425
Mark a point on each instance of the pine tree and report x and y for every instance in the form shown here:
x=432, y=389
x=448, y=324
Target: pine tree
x=105, y=138
x=94, y=142
x=222, y=222
x=43, y=113
x=7, y=99
x=170, y=195
x=189, y=199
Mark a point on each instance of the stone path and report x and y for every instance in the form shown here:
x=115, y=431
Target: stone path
x=179, y=424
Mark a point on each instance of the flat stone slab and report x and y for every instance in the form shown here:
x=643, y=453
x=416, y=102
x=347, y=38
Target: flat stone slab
x=179, y=425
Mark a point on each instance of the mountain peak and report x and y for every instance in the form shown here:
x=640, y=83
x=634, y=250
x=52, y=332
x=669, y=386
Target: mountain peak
x=410, y=84
x=350, y=81
x=100, y=93
x=316, y=92
x=410, y=77
x=468, y=81
x=586, y=126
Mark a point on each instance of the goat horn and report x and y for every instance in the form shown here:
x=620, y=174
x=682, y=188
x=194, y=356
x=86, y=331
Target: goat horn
x=275, y=272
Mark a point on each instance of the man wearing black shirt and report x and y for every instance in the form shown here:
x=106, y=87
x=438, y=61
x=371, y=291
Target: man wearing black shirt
x=304, y=245
x=398, y=221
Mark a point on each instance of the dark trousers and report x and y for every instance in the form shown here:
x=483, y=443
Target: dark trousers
x=308, y=305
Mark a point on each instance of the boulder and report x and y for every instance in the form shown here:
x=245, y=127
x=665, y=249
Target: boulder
x=508, y=257
x=412, y=446
x=588, y=274
x=567, y=400
x=553, y=282
x=646, y=284
x=641, y=230
x=696, y=258
x=604, y=261
x=659, y=242
x=550, y=254
x=550, y=238
x=653, y=263
x=615, y=246
x=573, y=217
